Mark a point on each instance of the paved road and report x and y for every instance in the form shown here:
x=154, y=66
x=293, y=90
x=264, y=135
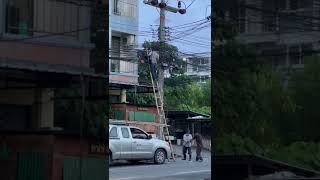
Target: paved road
x=178, y=170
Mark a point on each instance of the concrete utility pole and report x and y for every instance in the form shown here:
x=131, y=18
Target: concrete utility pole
x=162, y=37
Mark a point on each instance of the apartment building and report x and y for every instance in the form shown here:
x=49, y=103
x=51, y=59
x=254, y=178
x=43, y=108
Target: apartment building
x=284, y=31
x=123, y=32
x=198, y=67
x=123, y=64
x=44, y=46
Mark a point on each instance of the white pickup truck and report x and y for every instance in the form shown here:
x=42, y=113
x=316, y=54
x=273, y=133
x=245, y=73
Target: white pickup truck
x=133, y=144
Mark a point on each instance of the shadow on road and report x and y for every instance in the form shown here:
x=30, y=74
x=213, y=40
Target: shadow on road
x=127, y=163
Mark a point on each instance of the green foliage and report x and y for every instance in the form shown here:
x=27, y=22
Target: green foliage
x=234, y=144
x=182, y=93
x=142, y=99
x=256, y=114
x=144, y=74
x=305, y=88
x=68, y=114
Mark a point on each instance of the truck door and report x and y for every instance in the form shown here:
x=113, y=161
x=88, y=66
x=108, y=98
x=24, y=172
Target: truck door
x=141, y=145
x=126, y=147
x=114, y=140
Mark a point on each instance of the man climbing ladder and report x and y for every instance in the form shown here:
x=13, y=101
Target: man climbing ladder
x=153, y=57
x=153, y=60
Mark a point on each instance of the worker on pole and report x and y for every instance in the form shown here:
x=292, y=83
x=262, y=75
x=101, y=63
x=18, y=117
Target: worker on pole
x=153, y=60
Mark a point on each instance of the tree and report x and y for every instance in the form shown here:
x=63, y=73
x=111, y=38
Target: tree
x=306, y=87
x=248, y=98
x=182, y=93
x=170, y=58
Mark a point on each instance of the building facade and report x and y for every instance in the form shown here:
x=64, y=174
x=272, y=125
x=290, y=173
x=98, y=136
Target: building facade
x=45, y=45
x=123, y=32
x=284, y=31
x=21, y=23
x=123, y=65
x=198, y=67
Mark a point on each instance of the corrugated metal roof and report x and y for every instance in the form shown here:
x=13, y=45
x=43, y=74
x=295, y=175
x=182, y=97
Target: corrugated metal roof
x=44, y=67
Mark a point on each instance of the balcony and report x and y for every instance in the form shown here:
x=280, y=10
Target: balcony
x=61, y=42
x=123, y=59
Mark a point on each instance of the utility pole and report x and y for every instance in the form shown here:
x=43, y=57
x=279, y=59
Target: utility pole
x=162, y=37
x=161, y=58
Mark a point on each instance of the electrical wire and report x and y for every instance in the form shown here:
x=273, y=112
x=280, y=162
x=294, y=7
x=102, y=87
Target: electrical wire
x=189, y=32
x=191, y=4
x=189, y=23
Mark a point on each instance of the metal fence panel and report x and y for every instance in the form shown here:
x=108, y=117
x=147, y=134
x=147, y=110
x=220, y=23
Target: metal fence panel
x=31, y=166
x=92, y=168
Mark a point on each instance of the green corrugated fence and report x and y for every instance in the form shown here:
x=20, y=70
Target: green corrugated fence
x=92, y=168
x=31, y=166
x=142, y=116
x=119, y=115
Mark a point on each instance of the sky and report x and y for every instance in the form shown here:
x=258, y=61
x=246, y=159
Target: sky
x=194, y=43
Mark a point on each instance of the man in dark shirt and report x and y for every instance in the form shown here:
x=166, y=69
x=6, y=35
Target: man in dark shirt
x=198, y=139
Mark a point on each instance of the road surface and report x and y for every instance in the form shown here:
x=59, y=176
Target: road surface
x=178, y=170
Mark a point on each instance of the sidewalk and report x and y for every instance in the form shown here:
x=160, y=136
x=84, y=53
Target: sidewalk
x=178, y=151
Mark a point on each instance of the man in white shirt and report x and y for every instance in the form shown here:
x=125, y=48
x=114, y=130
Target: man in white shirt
x=187, y=143
x=153, y=60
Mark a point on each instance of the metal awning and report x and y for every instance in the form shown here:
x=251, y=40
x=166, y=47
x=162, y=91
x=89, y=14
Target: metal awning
x=185, y=114
x=17, y=74
x=124, y=122
x=13, y=64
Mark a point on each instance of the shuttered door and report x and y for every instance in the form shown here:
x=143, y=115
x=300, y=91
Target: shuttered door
x=31, y=166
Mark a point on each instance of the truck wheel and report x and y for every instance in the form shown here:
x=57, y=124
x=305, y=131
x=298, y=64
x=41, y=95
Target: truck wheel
x=160, y=156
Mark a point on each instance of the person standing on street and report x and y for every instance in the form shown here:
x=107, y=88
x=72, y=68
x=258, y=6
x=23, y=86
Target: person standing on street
x=153, y=60
x=187, y=142
x=198, y=139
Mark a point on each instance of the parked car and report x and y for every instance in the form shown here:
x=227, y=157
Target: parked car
x=133, y=144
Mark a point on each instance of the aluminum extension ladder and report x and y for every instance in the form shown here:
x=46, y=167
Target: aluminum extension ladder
x=161, y=113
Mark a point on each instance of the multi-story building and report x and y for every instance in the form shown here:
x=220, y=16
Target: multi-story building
x=198, y=67
x=123, y=32
x=123, y=64
x=284, y=31
x=44, y=46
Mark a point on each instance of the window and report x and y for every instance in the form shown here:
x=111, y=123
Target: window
x=205, y=61
x=270, y=22
x=114, y=99
x=138, y=134
x=113, y=132
x=116, y=9
x=15, y=117
x=125, y=132
x=294, y=55
x=294, y=4
x=242, y=20
x=125, y=8
x=115, y=54
x=19, y=17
